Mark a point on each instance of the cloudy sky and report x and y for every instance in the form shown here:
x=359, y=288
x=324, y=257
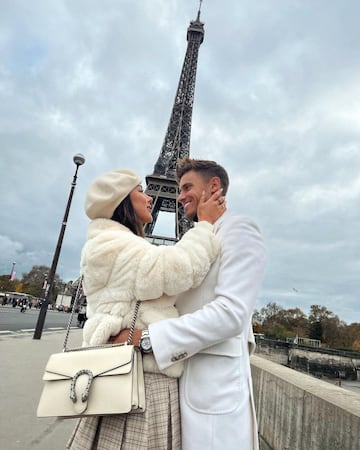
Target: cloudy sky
x=277, y=102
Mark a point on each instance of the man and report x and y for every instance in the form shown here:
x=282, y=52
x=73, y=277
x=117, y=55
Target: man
x=214, y=327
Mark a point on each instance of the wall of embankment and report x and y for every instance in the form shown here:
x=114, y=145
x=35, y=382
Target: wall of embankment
x=298, y=412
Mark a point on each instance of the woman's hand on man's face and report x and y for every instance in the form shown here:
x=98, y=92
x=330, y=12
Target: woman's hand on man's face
x=212, y=208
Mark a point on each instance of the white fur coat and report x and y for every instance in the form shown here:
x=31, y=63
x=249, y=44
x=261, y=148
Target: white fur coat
x=120, y=268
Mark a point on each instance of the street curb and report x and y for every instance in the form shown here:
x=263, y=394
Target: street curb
x=22, y=334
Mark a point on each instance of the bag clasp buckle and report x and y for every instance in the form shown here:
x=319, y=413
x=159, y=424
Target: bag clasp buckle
x=85, y=394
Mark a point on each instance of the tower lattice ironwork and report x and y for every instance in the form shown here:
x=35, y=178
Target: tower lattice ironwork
x=162, y=185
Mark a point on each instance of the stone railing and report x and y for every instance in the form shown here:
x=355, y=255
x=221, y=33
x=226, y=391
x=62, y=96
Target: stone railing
x=299, y=412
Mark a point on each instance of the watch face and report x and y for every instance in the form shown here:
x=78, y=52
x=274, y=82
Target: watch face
x=145, y=344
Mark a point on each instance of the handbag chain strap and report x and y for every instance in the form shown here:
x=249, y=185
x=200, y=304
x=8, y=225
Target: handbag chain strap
x=78, y=295
x=132, y=326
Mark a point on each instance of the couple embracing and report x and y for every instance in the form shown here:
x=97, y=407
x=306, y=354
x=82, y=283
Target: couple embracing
x=194, y=321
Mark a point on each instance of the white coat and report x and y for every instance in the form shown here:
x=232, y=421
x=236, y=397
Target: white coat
x=212, y=334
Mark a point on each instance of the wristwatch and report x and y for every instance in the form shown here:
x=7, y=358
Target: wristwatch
x=145, y=342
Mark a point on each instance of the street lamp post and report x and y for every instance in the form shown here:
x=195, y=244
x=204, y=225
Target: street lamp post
x=45, y=283
x=79, y=161
x=12, y=274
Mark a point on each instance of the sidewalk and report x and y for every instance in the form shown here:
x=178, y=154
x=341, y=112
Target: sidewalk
x=22, y=363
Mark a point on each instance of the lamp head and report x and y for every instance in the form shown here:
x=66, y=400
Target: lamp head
x=79, y=159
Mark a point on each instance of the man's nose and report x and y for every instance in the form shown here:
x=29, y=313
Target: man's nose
x=180, y=198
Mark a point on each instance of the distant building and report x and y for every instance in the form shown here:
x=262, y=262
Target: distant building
x=63, y=302
x=315, y=343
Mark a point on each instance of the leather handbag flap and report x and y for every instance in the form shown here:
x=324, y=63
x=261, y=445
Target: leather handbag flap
x=115, y=360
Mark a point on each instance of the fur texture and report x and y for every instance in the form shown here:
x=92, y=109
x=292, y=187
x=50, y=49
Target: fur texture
x=120, y=268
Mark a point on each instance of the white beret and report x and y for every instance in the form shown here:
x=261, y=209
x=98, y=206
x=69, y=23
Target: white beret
x=107, y=191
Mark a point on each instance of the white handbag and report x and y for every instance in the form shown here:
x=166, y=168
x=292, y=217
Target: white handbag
x=92, y=381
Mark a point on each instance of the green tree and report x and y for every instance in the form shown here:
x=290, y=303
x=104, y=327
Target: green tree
x=315, y=330
x=273, y=322
x=8, y=286
x=257, y=321
x=323, y=325
x=33, y=282
x=295, y=321
x=271, y=314
x=277, y=331
x=353, y=336
x=319, y=313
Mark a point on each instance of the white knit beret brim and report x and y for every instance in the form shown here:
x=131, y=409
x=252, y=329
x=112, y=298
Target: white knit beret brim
x=107, y=191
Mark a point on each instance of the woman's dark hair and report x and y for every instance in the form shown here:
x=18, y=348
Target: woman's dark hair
x=125, y=214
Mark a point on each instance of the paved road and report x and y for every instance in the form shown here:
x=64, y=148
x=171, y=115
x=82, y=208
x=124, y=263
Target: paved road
x=12, y=320
x=22, y=363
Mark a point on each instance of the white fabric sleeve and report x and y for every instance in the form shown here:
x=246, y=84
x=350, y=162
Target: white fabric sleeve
x=228, y=313
x=173, y=269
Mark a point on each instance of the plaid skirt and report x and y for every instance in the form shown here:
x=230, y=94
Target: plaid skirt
x=158, y=428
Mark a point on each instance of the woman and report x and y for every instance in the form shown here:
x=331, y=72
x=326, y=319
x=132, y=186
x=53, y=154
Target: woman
x=119, y=267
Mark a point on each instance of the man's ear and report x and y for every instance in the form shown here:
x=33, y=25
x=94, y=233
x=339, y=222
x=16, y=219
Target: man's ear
x=215, y=184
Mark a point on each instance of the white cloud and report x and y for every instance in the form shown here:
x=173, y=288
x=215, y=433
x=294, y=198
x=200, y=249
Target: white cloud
x=276, y=103
x=333, y=197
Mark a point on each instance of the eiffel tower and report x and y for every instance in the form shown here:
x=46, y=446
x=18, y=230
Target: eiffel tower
x=161, y=184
